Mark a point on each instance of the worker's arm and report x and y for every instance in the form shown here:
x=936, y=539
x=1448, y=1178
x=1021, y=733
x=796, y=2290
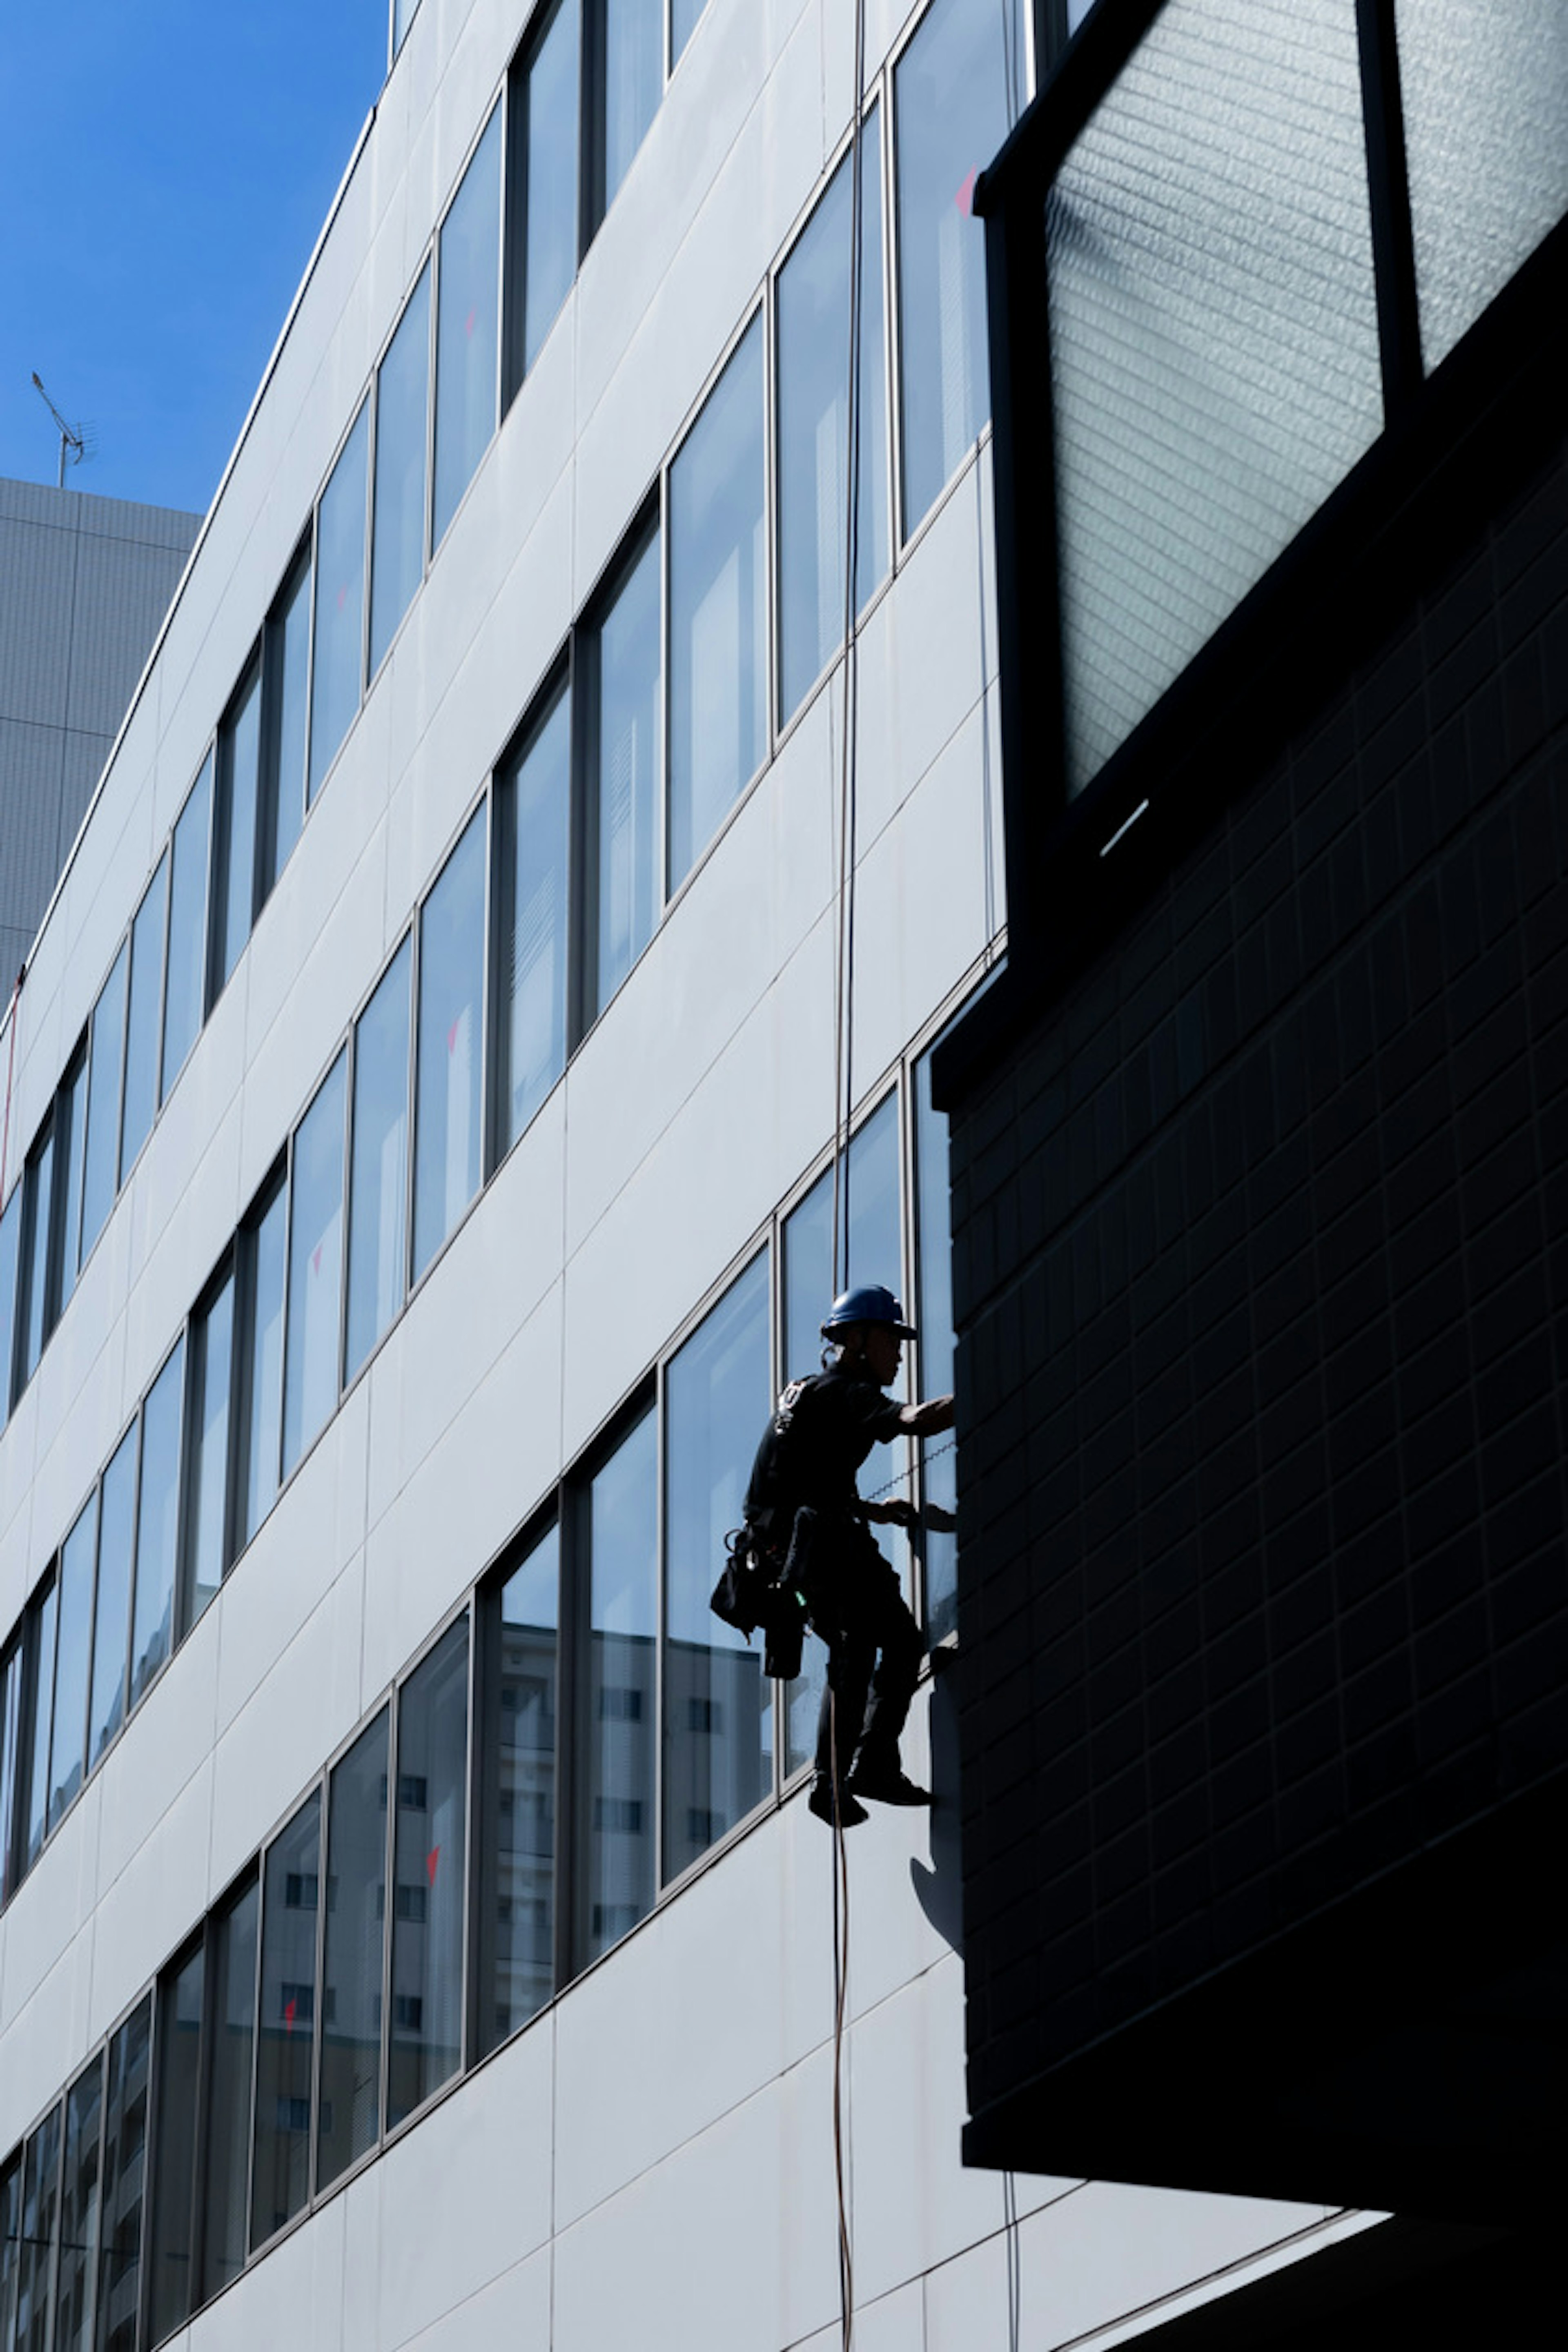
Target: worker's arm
x=930, y=1418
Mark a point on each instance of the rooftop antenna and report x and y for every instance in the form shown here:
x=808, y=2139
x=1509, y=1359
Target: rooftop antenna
x=74, y=438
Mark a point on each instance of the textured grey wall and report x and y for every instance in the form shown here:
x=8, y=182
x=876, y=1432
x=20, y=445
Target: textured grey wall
x=84, y=584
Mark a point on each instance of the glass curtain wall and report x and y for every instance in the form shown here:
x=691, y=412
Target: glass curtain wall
x=718, y=607
x=315, y=1267
x=451, y=1005
x=517, y=1930
x=378, y=1190
x=618, y=1524
x=111, y=1608
x=338, y=653
x=355, y=1933
x=622, y=664
x=280, y=2176
x=533, y=843
x=429, y=1876
x=468, y=327
x=813, y=423
x=233, y=849
x=718, y=1705
x=401, y=407
x=157, y=1523
x=182, y=986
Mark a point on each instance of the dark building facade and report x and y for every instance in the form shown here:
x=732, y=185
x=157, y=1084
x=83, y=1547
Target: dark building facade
x=1260, y=1194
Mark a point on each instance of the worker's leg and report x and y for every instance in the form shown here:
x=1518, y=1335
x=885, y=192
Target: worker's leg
x=851, y=1655
x=877, y=1770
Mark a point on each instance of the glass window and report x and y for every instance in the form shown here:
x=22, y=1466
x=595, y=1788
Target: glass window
x=622, y=669
x=429, y=1873
x=40, y=2233
x=207, y=1476
x=402, y=403
x=517, y=1928
x=12, y=1664
x=338, y=657
x=875, y=1229
x=280, y=2180
x=70, y=1145
x=125, y=2174
x=718, y=607
x=355, y=1934
x=284, y=705
x=10, y=1238
x=72, y=1658
x=633, y=70
x=10, y=2243
x=42, y=1614
x=378, y=1196
x=111, y=1605
x=79, y=2211
x=188, y=927
x=550, y=97
x=262, y=1259
x=315, y=1267
x=231, y=2041
x=468, y=327
x=37, y=1212
x=934, y=1347
x=718, y=1706
x=683, y=16
x=178, y=2059
x=143, y=1029
x=157, y=1523
x=813, y=423
x=103, y=1101
x=451, y=993
x=533, y=808
x=620, y=1521
x=958, y=88
x=234, y=858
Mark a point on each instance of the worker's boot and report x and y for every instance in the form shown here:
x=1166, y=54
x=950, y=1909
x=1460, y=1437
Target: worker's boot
x=820, y=1803
x=883, y=1779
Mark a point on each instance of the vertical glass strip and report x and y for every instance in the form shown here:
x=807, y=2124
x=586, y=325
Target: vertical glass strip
x=112, y=1606
x=402, y=403
x=70, y=1131
x=206, y=1484
x=355, y=1946
x=553, y=114
x=187, y=928
x=103, y=1101
x=518, y=1931
x=315, y=1267
x=451, y=1005
x=616, y=1823
x=124, y=2177
x=934, y=1347
x=338, y=651
x=633, y=81
x=231, y=2037
x=378, y=1191
x=234, y=864
x=624, y=791
x=12, y=1666
x=179, y=2083
x=534, y=853
x=37, y=1210
x=73, y=1655
x=10, y=1253
x=10, y=2245
x=467, y=328
x=79, y=2213
x=429, y=1875
x=286, y=670
x=263, y=1262
x=157, y=1524
x=281, y=2178
x=144, y=1028
x=42, y=1616
x=40, y=2233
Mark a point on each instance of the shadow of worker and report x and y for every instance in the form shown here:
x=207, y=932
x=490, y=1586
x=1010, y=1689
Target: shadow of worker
x=939, y=1888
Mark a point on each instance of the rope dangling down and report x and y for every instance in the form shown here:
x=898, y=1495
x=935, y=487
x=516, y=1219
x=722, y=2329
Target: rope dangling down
x=840, y=1996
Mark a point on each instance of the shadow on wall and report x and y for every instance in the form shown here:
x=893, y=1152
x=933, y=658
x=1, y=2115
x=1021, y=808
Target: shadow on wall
x=939, y=1889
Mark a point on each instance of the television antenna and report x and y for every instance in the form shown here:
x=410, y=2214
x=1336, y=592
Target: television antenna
x=77, y=438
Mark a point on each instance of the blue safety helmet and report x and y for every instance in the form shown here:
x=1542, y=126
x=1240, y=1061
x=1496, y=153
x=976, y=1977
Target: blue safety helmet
x=868, y=1302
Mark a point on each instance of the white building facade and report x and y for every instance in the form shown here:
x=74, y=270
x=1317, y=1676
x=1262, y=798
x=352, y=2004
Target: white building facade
x=419, y=1122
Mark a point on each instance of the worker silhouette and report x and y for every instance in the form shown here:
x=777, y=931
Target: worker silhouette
x=805, y=1518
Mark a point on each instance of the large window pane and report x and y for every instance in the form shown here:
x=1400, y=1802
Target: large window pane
x=179, y=2083
x=339, y=602
x=234, y=859
x=280, y=2180
x=286, y=670
x=40, y=2231
x=103, y=1101
x=683, y=16
x=624, y=670
x=620, y=1525
x=187, y=928
x=70, y=1145
x=356, y=1939
x=517, y=1928
x=124, y=2170
x=718, y=607
x=13, y=1671
x=262, y=1259
x=315, y=1267
x=10, y=1253
x=231, y=2035
x=79, y=2211
x=633, y=81
x=37, y=1212
x=429, y=1873
x=451, y=994
x=813, y=423
x=157, y=1524
x=550, y=94
x=534, y=813
x=112, y=1606
x=468, y=327
x=934, y=1347
x=718, y=1706
x=402, y=400
x=958, y=91
x=72, y=1656
x=143, y=1029
x=355, y=1934
x=206, y=1481
x=378, y=1197
x=869, y=1208
x=42, y=1617
x=10, y=2244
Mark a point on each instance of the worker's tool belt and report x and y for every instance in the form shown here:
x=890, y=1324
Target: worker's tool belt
x=762, y=1585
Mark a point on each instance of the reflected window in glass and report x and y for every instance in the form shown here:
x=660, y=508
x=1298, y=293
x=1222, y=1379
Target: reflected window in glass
x=206, y=1524
x=338, y=656
x=430, y=1844
x=13, y=1672
x=33, y=1280
x=620, y=1525
x=182, y=987
x=111, y=1604
x=315, y=1267
x=286, y=670
x=281, y=2177
x=451, y=1005
x=232, y=2035
x=622, y=665
x=355, y=1934
x=533, y=808
x=143, y=1026
x=43, y=1614
x=402, y=401
x=72, y=1659
x=516, y=1970
x=233, y=857
x=718, y=607
x=179, y=2088
x=551, y=98
x=40, y=2235
x=124, y=2178
x=104, y=1065
x=77, y=2278
x=633, y=83
x=157, y=1524
x=378, y=1196
x=468, y=327
x=262, y=1265
x=70, y=1144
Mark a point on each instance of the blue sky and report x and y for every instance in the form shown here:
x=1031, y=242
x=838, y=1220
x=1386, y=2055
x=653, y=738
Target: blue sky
x=165, y=167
